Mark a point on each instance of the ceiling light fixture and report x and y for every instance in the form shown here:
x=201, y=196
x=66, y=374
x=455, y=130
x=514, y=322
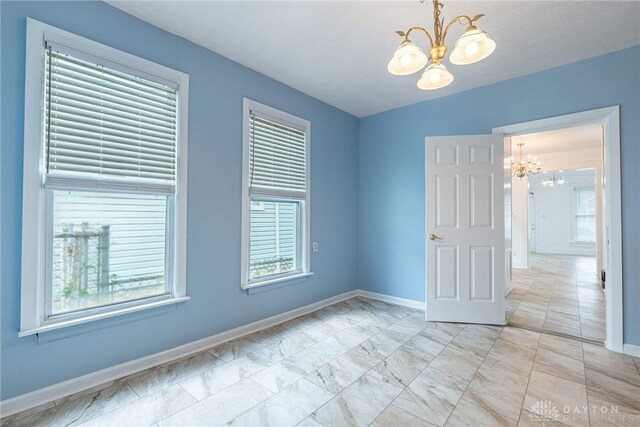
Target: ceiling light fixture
x=472, y=46
x=527, y=167
x=550, y=182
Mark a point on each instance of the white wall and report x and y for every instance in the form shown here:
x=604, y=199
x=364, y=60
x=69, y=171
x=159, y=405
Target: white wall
x=520, y=222
x=554, y=216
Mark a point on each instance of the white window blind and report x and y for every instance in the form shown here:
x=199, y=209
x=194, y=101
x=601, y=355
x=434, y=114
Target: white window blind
x=106, y=127
x=277, y=158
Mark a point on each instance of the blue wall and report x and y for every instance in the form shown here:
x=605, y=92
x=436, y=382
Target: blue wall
x=217, y=86
x=392, y=197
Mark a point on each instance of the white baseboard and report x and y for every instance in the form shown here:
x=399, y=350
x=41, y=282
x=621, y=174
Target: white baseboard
x=632, y=350
x=393, y=300
x=94, y=379
x=572, y=251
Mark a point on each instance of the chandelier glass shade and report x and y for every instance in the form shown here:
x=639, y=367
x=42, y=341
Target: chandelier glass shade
x=472, y=46
x=525, y=167
x=550, y=182
x=407, y=59
x=435, y=77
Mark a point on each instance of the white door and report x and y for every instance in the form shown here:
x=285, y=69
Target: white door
x=465, y=229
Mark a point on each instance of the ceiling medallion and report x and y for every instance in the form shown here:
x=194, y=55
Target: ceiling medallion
x=472, y=46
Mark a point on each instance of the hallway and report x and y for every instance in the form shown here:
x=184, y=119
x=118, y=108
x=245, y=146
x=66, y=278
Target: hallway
x=560, y=293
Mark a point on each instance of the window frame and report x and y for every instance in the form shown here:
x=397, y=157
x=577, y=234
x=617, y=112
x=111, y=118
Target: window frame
x=304, y=226
x=37, y=207
x=574, y=217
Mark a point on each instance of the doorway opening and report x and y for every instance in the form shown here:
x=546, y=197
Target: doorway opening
x=564, y=240
x=557, y=233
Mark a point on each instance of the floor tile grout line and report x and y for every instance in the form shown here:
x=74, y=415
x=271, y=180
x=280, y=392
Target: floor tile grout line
x=557, y=334
x=370, y=314
x=204, y=398
x=253, y=353
x=579, y=310
x=180, y=410
x=242, y=379
x=586, y=387
x=246, y=378
x=126, y=379
x=474, y=375
x=127, y=404
x=273, y=395
x=524, y=397
x=428, y=364
x=365, y=373
x=563, y=273
x=404, y=387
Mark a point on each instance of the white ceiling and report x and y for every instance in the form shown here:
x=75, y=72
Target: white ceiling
x=557, y=141
x=337, y=51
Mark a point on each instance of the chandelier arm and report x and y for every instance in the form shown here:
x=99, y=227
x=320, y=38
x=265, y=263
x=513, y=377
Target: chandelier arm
x=457, y=19
x=419, y=29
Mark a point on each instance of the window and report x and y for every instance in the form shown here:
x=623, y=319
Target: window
x=104, y=182
x=585, y=215
x=275, y=232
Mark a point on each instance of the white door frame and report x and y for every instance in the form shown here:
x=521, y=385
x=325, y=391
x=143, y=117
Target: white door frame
x=609, y=118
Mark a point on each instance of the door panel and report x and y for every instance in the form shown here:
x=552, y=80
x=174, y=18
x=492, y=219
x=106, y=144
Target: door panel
x=480, y=155
x=446, y=156
x=464, y=192
x=481, y=268
x=447, y=272
x=481, y=201
x=447, y=201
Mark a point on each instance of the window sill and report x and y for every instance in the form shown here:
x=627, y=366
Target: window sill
x=273, y=281
x=91, y=318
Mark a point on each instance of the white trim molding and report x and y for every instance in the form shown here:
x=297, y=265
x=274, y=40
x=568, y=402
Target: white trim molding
x=632, y=350
x=411, y=303
x=123, y=308
x=609, y=119
x=57, y=391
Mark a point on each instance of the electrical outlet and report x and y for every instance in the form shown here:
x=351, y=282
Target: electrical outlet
x=315, y=246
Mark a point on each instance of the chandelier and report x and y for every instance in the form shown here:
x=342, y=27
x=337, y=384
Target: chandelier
x=472, y=46
x=527, y=167
x=550, y=182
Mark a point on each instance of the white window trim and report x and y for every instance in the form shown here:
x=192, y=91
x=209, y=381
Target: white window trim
x=249, y=105
x=34, y=215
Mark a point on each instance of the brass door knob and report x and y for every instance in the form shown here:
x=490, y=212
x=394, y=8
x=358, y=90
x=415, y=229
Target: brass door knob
x=434, y=237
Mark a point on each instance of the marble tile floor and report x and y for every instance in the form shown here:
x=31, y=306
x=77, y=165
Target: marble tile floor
x=368, y=363
x=559, y=294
